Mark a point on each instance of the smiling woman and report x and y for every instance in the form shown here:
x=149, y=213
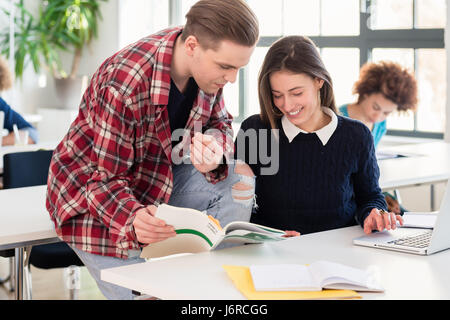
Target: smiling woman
x=302, y=83
x=327, y=173
x=297, y=96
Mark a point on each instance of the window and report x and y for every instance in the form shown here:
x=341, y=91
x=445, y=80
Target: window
x=410, y=32
x=420, y=26
x=139, y=18
x=391, y=14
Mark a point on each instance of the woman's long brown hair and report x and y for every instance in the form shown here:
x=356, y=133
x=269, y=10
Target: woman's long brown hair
x=296, y=54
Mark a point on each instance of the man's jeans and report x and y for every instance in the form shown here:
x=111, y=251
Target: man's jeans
x=191, y=190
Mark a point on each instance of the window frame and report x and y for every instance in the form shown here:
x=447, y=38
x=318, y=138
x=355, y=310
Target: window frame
x=368, y=39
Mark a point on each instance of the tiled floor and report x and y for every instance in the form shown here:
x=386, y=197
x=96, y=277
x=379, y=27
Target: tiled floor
x=50, y=284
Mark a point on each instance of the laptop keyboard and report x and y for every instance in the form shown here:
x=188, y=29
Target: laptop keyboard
x=421, y=240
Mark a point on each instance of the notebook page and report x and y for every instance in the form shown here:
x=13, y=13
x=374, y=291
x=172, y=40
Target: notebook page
x=283, y=277
x=331, y=273
x=419, y=220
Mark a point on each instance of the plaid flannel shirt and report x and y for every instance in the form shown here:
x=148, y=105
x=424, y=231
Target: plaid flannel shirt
x=116, y=156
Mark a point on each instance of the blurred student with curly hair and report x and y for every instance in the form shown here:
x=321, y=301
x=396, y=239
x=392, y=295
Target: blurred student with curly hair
x=382, y=88
x=11, y=117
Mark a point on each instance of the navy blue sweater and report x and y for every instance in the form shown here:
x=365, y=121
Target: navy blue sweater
x=316, y=187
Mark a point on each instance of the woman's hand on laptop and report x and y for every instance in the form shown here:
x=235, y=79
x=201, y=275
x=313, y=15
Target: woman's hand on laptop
x=290, y=233
x=380, y=220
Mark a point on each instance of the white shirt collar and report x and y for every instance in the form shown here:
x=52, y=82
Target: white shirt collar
x=324, y=133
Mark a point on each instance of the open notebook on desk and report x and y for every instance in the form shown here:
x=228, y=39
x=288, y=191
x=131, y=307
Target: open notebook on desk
x=319, y=280
x=314, y=277
x=422, y=220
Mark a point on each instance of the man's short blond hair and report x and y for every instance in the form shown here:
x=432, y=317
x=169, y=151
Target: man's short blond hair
x=212, y=21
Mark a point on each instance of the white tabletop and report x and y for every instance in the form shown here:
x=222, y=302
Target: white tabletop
x=201, y=276
x=47, y=145
x=426, y=163
x=24, y=218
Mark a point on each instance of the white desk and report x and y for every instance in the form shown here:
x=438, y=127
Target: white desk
x=32, y=118
x=201, y=276
x=430, y=164
x=179, y=278
x=29, y=224
x=24, y=222
x=48, y=145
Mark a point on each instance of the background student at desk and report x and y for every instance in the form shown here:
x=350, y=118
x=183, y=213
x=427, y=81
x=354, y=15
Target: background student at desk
x=11, y=117
x=382, y=88
x=327, y=176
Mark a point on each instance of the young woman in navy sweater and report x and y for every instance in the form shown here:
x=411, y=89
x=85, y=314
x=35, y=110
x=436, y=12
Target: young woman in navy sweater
x=326, y=174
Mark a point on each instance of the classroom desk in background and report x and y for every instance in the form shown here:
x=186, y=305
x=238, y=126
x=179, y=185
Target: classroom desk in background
x=425, y=163
x=24, y=222
x=201, y=276
x=48, y=145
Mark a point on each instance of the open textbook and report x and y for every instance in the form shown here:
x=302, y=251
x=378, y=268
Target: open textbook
x=197, y=232
x=314, y=277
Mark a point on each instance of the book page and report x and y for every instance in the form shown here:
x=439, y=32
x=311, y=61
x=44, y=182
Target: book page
x=242, y=280
x=182, y=243
x=283, y=277
x=245, y=236
x=242, y=225
x=338, y=276
x=195, y=232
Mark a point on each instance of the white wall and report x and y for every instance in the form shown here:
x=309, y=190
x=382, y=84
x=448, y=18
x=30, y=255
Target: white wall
x=29, y=96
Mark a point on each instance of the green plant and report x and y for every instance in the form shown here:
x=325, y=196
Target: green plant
x=60, y=25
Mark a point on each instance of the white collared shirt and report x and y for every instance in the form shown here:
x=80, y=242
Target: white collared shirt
x=324, y=133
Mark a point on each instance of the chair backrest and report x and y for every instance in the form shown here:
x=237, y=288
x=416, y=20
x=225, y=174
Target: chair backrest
x=26, y=169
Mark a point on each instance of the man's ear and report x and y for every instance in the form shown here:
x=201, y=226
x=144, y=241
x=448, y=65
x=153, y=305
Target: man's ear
x=190, y=44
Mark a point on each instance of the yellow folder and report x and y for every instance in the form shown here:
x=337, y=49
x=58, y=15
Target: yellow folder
x=242, y=279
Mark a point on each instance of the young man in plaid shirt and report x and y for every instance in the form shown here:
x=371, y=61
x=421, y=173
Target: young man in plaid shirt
x=119, y=160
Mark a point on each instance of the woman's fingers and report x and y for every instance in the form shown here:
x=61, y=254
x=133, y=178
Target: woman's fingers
x=380, y=220
x=291, y=233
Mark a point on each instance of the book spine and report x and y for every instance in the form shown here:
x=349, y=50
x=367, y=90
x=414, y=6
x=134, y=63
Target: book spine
x=195, y=232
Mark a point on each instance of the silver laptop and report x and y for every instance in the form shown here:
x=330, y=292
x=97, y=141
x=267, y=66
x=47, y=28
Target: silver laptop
x=417, y=241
